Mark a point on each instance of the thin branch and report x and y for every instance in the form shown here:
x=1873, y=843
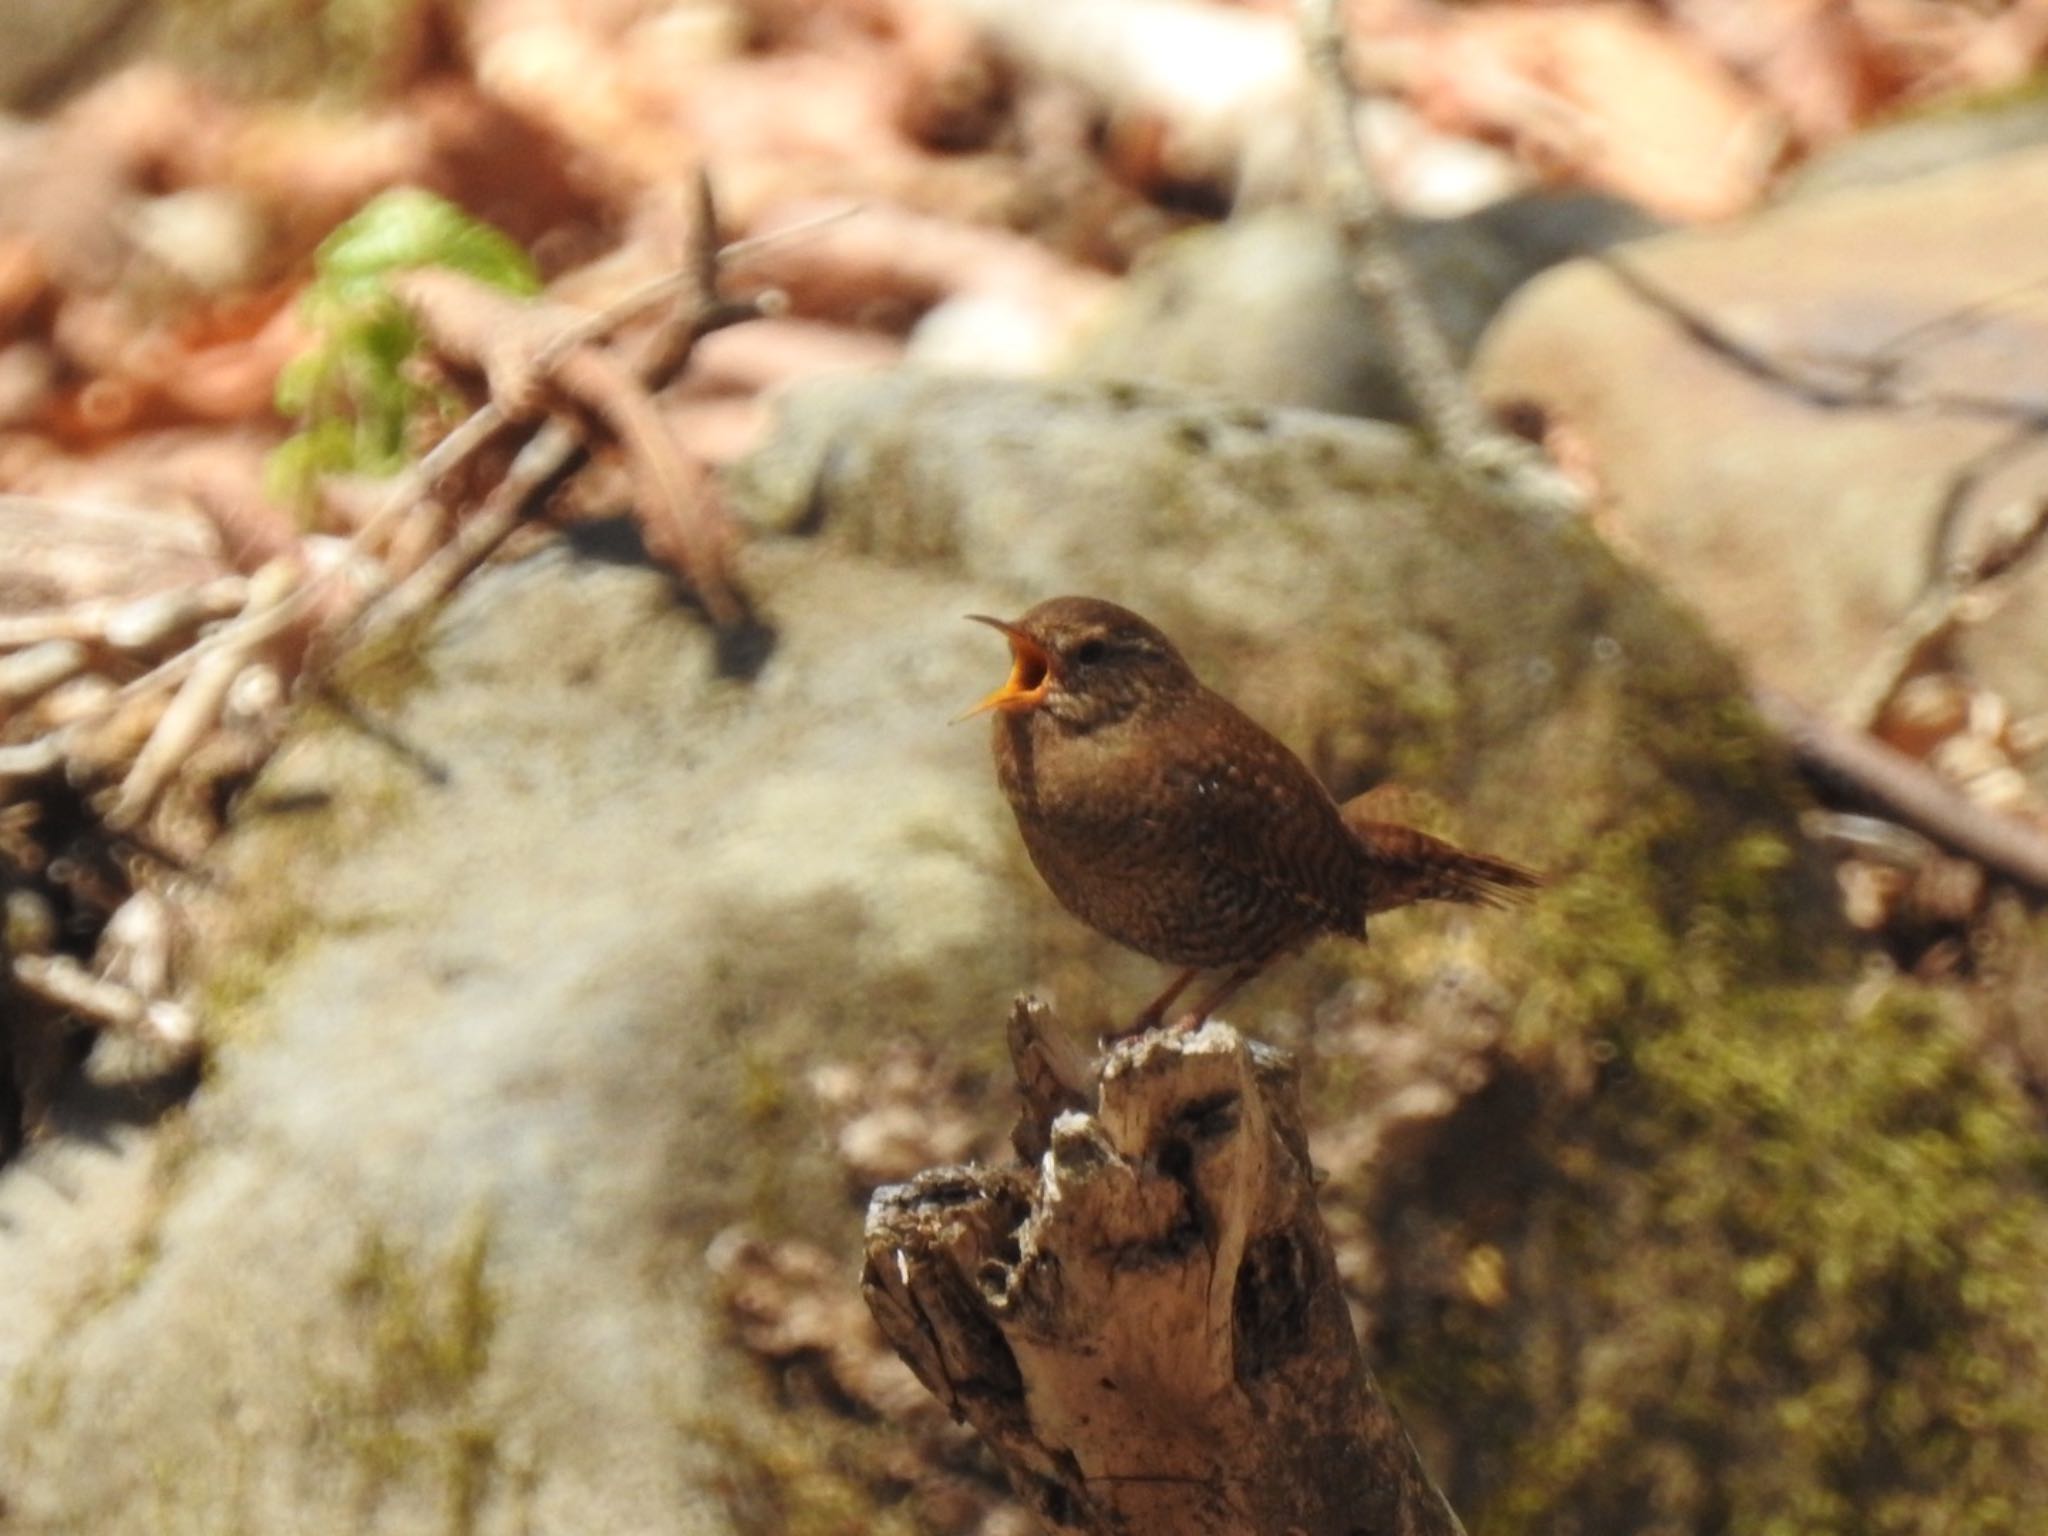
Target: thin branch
x=1907, y=789
x=27, y=675
x=738, y=250
x=1879, y=383
x=38, y=759
x=135, y=625
x=198, y=704
x=1944, y=604
x=1956, y=321
x=1447, y=413
x=552, y=457
x=1840, y=384
x=63, y=983
x=558, y=450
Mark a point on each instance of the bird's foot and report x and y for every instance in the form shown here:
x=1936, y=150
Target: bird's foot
x=1148, y=1021
x=1143, y=1024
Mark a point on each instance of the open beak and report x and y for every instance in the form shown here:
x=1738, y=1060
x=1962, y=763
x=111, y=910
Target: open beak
x=1030, y=672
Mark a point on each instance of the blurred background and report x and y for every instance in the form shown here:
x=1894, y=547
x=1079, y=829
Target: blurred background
x=475, y=935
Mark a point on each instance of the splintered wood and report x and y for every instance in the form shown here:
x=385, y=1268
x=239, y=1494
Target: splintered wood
x=1146, y=1324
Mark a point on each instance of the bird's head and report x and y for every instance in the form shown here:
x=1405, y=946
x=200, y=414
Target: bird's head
x=1084, y=663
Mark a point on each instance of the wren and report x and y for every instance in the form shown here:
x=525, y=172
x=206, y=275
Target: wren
x=1165, y=817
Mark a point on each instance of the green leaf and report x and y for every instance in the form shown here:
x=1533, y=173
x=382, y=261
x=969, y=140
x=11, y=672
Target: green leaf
x=352, y=391
x=408, y=227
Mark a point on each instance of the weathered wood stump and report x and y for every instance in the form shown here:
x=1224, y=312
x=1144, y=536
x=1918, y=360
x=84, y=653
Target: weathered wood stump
x=1143, y=1319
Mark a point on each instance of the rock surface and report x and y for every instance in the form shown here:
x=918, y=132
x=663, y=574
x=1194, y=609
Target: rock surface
x=1938, y=138
x=1804, y=530
x=505, y=1052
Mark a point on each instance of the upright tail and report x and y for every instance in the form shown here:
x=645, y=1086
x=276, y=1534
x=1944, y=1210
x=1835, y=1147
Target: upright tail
x=1411, y=866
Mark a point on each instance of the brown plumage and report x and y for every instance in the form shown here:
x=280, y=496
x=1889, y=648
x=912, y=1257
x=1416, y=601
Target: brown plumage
x=1165, y=817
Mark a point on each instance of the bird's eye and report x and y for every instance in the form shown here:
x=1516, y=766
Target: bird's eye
x=1088, y=652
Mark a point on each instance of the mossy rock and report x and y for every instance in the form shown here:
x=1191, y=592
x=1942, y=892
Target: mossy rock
x=1726, y=1237
x=1388, y=624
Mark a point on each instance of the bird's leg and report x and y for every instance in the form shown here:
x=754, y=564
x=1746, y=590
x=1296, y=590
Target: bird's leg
x=1225, y=991
x=1155, y=1011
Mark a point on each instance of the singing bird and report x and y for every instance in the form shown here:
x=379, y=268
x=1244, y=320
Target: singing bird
x=1162, y=815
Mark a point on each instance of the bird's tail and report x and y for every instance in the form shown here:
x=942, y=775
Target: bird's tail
x=1412, y=866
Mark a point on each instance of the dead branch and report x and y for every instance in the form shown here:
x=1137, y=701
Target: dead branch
x=1907, y=789
x=892, y=260
x=1447, y=412
x=558, y=450
x=548, y=461
x=63, y=983
x=519, y=346
x=1881, y=381
x=1877, y=382
x=218, y=652
x=1957, y=585
x=31, y=760
x=136, y=626
x=1147, y=1326
x=198, y=703
x=150, y=625
x=27, y=675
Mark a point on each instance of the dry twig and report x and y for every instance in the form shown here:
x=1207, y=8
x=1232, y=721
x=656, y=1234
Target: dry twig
x=213, y=667
x=555, y=454
x=1842, y=749
x=138, y=626
x=1877, y=382
x=557, y=451
x=1907, y=789
x=27, y=675
x=198, y=703
x=1445, y=408
x=517, y=344
x=63, y=983
x=1952, y=589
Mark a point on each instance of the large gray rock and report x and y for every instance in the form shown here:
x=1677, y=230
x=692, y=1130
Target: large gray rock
x=1802, y=530
x=503, y=1053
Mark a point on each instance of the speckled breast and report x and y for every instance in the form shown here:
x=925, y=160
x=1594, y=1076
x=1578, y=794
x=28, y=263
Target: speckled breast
x=1141, y=847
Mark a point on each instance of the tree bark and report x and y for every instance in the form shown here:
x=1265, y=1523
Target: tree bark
x=1144, y=1320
